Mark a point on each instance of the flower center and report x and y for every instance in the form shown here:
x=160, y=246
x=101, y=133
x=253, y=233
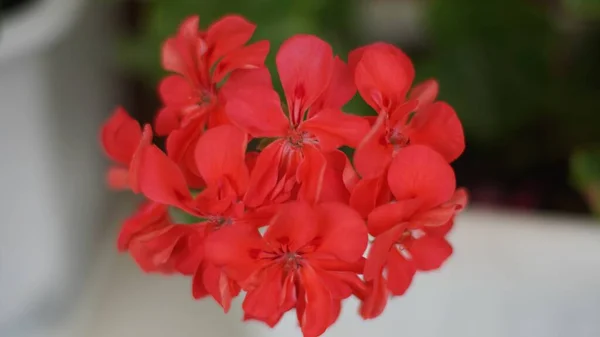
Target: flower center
x=407, y=236
x=396, y=138
x=291, y=261
x=220, y=221
x=297, y=138
x=205, y=97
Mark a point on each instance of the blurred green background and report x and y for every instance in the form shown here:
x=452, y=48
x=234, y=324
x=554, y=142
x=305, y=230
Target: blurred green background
x=523, y=75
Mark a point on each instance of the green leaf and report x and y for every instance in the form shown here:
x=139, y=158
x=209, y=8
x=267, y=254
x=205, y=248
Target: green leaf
x=182, y=217
x=585, y=173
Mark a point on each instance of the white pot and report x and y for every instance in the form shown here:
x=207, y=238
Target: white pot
x=55, y=89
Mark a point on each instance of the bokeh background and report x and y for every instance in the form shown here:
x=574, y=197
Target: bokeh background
x=523, y=76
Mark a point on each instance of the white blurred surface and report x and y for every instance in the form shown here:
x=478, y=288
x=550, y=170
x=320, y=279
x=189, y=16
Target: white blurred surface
x=56, y=88
x=511, y=275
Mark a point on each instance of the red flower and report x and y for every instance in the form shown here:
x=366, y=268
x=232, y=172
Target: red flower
x=122, y=138
x=149, y=217
x=316, y=86
x=181, y=143
x=295, y=183
x=219, y=205
x=296, y=264
x=194, y=97
x=159, y=245
x=200, y=61
x=370, y=193
x=383, y=75
x=406, y=239
x=175, y=248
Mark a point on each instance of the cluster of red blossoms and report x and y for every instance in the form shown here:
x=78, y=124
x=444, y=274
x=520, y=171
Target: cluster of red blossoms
x=282, y=213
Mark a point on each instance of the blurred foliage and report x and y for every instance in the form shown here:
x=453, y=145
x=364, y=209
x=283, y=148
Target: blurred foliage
x=583, y=8
x=491, y=58
x=525, y=88
x=523, y=75
x=585, y=174
x=277, y=20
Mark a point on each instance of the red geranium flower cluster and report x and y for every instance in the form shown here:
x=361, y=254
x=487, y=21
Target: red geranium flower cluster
x=282, y=213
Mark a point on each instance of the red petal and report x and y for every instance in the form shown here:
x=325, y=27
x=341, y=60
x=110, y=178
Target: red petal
x=231, y=247
x=460, y=198
x=189, y=26
x=136, y=160
x=332, y=264
x=174, y=58
x=294, y=226
x=383, y=76
x=343, y=232
x=161, y=180
x=120, y=136
x=216, y=200
x=117, y=178
x=310, y=174
x=337, y=287
x=425, y=92
x=334, y=128
x=357, y=285
x=336, y=310
x=227, y=34
x=183, y=141
x=249, y=57
x=180, y=53
x=286, y=302
x=338, y=178
x=401, y=114
x=341, y=88
x=440, y=231
x=373, y=156
x=389, y=215
x=191, y=250
x=438, y=216
x=167, y=120
x=149, y=217
x=251, y=157
x=263, y=302
x=349, y=175
x=153, y=252
x=198, y=289
x=442, y=215
x=438, y=127
x=219, y=286
x=245, y=78
x=429, y=253
x=217, y=116
x=419, y=172
x=378, y=253
x=220, y=153
x=400, y=273
x=369, y=193
x=305, y=64
x=175, y=90
x=376, y=299
x=264, y=175
x=318, y=312
x=181, y=146
x=258, y=112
